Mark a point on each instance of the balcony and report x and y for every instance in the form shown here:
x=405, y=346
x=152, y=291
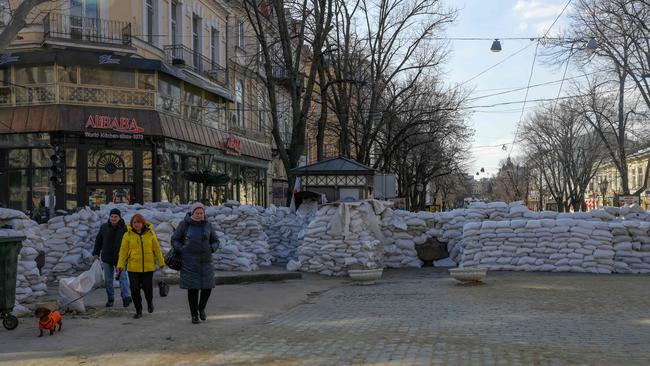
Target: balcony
x=91, y=31
x=76, y=94
x=181, y=56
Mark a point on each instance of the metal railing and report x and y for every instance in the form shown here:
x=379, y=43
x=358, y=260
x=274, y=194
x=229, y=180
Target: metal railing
x=90, y=30
x=179, y=55
x=27, y=95
x=102, y=95
x=76, y=94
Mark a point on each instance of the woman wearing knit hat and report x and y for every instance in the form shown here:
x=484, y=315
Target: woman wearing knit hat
x=196, y=241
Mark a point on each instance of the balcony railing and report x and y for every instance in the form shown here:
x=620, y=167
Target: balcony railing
x=87, y=30
x=121, y=97
x=76, y=94
x=182, y=56
x=27, y=95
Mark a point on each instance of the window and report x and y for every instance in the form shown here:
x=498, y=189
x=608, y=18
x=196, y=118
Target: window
x=4, y=12
x=169, y=94
x=213, y=112
x=175, y=26
x=261, y=112
x=240, y=103
x=150, y=18
x=214, y=47
x=146, y=80
x=68, y=74
x=196, y=40
x=34, y=75
x=240, y=35
x=192, y=103
x=111, y=77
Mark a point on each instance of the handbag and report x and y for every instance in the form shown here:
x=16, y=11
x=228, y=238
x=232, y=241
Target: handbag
x=163, y=288
x=174, y=259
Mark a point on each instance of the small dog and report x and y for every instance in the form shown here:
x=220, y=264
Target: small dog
x=48, y=319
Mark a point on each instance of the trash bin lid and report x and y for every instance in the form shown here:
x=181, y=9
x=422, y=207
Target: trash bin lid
x=11, y=239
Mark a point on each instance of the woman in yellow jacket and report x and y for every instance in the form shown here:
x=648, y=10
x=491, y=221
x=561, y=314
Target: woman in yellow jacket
x=138, y=252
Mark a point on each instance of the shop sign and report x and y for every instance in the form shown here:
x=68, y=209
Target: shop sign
x=233, y=146
x=108, y=60
x=126, y=128
x=7, y=58
x=627, y=200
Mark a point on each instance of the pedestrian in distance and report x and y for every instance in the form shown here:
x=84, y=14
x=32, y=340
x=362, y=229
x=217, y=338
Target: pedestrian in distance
x=196, y=241
x=107, y=249
x=139, y=252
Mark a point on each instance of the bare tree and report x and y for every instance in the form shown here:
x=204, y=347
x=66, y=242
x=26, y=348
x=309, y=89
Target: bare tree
x=19, y=20
x=299, y=46
x=566, y=150
x=512, y=182
x=399, y=47
x=613, y=104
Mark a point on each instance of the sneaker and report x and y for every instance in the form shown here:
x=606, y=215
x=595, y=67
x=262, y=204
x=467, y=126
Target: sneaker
x=150, y=308
x=202, y=315
x=109, y=304
x=195, y=319
x=137, y=316
x=126, y=301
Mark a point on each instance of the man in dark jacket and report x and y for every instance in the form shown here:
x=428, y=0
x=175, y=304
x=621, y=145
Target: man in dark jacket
x=107, y=244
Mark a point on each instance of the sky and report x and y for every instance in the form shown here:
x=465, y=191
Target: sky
x=501, y=19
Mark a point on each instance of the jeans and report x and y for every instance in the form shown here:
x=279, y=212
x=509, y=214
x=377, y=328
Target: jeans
x=141, y=281
x=109, y=277
x=197, y=304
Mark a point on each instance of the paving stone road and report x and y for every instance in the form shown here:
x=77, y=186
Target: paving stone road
x=424, y=318
x=411, y=317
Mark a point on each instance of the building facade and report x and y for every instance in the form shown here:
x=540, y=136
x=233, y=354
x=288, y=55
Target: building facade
x=130, y=95
x=604, y=187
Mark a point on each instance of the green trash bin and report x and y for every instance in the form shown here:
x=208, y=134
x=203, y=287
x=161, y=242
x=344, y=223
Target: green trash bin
x=9, y=248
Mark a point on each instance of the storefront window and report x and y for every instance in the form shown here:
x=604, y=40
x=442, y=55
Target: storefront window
x=68, y=74
x=18, y=189
x=40, y=187
x=147, y=189
x=41, y=157
x=18, y=158
x=110, y=166
x=111, y=77
x=147, y=159
x=35, y=75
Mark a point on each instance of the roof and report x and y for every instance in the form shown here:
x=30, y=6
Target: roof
x=335, y=166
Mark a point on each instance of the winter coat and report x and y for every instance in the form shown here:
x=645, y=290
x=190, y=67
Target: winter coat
x=196, y=242
x=139, y=251
x=108, y=241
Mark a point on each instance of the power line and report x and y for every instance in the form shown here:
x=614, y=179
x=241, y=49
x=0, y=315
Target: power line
x=530, y=77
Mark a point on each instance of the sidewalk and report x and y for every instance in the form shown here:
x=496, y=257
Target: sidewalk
x=111, y=337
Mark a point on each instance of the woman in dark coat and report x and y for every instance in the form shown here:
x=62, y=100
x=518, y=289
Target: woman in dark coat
x=196, y=241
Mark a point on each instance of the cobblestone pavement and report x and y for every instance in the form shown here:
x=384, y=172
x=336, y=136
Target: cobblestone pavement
x=422, y=317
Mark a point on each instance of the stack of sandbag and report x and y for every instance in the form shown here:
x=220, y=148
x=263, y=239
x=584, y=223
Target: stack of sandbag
x=69, y=243
x=563, y=245
x=341, y=236
x=402, y=231
x=30, y=285
x=286, y=229
x=631, y=244
x=244, y=246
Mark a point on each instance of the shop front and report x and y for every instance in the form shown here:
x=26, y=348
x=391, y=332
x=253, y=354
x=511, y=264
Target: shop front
x=119, y=155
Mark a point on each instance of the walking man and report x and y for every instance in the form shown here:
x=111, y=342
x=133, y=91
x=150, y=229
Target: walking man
x=107, y=244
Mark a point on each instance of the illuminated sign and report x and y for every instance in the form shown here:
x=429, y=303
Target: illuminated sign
x=121, y=124
x=233, y=146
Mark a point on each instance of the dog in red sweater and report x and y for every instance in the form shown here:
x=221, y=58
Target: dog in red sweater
x=48, y=319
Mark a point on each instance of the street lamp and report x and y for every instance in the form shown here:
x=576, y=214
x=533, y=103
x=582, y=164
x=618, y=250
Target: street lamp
x=496, y=46
x=206, y=161
x=603, y=188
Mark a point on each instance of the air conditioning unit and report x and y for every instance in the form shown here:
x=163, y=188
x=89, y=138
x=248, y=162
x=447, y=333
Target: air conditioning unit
x=178, y=62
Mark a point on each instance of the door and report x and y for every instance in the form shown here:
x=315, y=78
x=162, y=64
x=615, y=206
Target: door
x=103, y=194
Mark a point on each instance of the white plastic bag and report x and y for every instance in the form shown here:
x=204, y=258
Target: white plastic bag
x=71, y=289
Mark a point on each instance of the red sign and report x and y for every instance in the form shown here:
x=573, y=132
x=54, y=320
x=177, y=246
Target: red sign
x=117, y=124
x=233, y=146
